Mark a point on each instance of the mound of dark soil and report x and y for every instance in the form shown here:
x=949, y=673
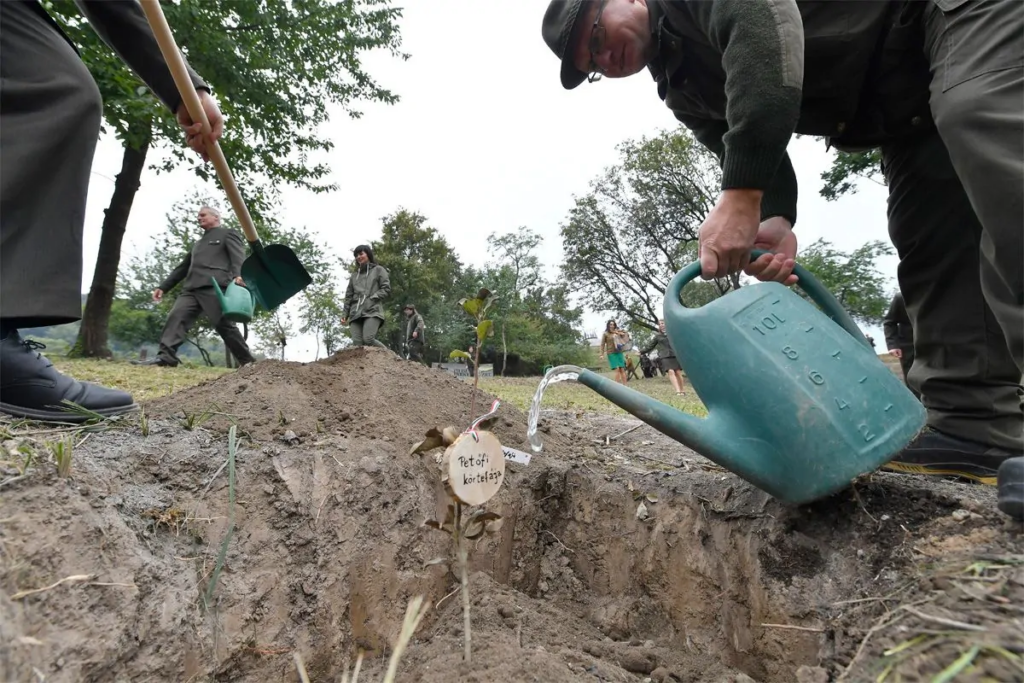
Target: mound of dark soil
x=619, y=560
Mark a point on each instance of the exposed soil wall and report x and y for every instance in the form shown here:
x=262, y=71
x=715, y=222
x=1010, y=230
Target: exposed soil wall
x=617, y=561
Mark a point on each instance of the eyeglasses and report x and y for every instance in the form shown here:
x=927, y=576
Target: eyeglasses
x=596, y=44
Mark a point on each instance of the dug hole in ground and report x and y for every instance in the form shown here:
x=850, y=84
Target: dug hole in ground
x=619, y=559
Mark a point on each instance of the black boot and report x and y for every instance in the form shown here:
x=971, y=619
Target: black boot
x=1011, y=488
x=937, y=453
x=31, y=387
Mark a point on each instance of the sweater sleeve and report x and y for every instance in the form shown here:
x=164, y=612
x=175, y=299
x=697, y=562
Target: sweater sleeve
x=779, y=197
x=762, y=48
x=123, y=26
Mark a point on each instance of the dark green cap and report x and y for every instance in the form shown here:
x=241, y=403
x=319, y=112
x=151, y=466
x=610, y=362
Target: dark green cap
x=559, y=28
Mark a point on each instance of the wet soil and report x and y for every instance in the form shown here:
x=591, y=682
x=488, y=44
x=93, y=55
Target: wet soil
x=622, y=555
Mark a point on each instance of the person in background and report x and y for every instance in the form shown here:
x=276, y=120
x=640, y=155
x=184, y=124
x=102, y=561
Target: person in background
x=367, y=288
x=613, y=346
x=471, y=361
x=50, y=114
x=899, y=337
x=667, y=357
x=218, y=254
x=413, y=332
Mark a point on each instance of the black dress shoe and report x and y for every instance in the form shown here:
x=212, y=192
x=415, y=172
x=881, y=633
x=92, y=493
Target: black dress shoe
x=157, y=360
x=31, y=387
x=1011, y=488
x=940, y=454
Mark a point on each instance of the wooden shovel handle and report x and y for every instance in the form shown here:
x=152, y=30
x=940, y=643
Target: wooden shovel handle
x=157, y=21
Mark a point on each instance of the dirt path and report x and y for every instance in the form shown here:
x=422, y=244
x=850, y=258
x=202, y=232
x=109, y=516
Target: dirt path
x=620, y=559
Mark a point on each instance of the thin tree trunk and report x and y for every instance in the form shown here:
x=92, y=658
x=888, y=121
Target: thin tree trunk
x=92, y=335
x=504, y=350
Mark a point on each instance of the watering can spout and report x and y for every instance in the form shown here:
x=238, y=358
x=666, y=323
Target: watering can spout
x=691, y=431
x=236, y=303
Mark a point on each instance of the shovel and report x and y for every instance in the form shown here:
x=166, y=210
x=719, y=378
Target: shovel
x=273, y=273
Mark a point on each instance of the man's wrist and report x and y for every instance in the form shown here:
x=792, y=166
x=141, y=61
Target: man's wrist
x=747, y=198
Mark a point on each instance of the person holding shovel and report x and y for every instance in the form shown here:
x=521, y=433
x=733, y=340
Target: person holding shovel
x=50, y=113
x=367, y=288
x=217, y=255
x=937, y=86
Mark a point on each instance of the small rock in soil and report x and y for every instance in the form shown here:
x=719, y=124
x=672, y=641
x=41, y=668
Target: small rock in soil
x=811, y=674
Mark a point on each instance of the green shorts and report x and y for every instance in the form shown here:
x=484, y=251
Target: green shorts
x=616, y=360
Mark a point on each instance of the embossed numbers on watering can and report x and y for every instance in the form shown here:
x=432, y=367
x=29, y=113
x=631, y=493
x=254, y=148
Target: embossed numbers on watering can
x=798, y=403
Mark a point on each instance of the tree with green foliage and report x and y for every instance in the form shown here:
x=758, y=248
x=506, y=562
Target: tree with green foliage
x=639, y=225
x=847, y=168
x=536, y=323
x=853, y=277
x=321, y=313
x=277, y=66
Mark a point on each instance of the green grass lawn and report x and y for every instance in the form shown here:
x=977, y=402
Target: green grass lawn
x=141, y=381
x=573, y=396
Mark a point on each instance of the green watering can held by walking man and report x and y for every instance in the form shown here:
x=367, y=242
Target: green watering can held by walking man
x=798, y=403
x=237, y=303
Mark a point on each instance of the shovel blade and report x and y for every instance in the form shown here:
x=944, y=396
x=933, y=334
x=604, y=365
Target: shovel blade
x=274, y=274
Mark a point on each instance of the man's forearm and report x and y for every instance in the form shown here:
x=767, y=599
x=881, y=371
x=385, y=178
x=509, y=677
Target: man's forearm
x=123, y=26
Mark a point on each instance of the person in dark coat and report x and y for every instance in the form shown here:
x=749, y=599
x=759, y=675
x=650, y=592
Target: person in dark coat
x=217, y=255
x=666, y=357
x=899, y=336
x=367, y=288
x=414, y=331
x=937, y=86
x=50, y=112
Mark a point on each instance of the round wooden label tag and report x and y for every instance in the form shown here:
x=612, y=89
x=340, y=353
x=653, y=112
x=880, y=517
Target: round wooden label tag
x=476, y=468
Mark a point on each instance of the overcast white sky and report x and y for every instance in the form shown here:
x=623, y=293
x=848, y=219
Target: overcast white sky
x=484, y=139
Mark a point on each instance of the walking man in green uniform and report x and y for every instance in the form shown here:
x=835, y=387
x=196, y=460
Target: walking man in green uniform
x=50, y=112
x=938, y=86
x=217, y=255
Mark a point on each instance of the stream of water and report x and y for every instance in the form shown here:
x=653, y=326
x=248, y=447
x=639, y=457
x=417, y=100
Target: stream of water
x=562, y=373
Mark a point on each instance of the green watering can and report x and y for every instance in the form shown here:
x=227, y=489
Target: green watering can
x=798, y=403
x=236, y=302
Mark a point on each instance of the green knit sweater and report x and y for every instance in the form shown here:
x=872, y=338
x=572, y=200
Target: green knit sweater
x=762, y=47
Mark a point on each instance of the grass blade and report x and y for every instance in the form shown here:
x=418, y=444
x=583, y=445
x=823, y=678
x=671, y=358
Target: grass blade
x=962, y=662
x=212, y=586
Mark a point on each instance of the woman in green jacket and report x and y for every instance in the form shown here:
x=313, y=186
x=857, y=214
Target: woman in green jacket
x=368, y=286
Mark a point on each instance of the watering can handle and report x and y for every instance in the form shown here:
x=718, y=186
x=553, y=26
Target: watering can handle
x=807, y=282
x=169, y=49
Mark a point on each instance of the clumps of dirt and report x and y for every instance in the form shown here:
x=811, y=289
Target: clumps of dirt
x=709, y=580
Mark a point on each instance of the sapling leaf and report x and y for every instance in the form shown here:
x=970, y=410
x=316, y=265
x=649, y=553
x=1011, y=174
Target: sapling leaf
x=434, y=524
x=450, y=434
x=436, y=561
x=458, y=353
x=434, y=440
x=473, y=535
x=482, y=330
x=471, y=306
x=483, y=294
